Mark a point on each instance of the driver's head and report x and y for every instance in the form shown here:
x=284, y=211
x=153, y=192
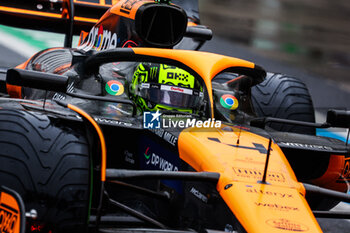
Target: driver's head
x=164, y=87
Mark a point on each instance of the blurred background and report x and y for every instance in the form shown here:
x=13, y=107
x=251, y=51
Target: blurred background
x=308, y=39
x=313, y=35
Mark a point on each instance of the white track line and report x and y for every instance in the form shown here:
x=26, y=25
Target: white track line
x=17, y=45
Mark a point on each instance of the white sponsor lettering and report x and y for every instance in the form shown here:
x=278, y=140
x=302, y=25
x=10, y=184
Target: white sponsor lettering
x=199, y=195
x=170, y=138
x=292, y=144
x=162, y=164
x=176, y=89
x=99, y=39
x=145, y=85
x=113, y=122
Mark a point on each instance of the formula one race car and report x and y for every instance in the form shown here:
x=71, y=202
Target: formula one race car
x=129, y=132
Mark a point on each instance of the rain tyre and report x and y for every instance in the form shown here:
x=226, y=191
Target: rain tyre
x=286, y=97
x=48, y=165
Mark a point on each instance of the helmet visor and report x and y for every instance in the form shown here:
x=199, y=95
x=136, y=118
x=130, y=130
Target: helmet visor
x=173, y=96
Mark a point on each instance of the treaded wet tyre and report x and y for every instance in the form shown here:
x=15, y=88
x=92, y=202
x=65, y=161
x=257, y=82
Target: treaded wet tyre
x=48, y=165
x=286, y=97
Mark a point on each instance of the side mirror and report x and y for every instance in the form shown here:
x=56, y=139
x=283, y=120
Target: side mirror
x=36, y=79
x=338, y=118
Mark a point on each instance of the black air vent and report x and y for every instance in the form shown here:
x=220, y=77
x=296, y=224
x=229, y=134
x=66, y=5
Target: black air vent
x=161, y=25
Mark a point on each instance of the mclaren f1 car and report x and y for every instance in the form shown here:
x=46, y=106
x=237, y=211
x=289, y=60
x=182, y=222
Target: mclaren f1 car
x=136, y=131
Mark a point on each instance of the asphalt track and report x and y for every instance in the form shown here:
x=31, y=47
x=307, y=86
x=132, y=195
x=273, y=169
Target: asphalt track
x=336, y=96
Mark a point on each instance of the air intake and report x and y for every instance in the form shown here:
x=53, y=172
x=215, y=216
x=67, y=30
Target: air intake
x=160, y=25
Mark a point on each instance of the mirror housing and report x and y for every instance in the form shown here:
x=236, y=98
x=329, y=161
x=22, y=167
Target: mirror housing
x=36, y=79
x=338, y=118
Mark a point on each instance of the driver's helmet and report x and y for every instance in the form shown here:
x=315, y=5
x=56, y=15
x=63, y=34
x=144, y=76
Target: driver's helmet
x=164, y=87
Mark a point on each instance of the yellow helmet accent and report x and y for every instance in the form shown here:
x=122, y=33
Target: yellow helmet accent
x=175, y=76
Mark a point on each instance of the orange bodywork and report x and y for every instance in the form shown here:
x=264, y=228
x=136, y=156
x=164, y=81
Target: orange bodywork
x=277, y=206
x=101, y=3
x=100, y=135
x=128, y=9
x=10, y=213
x=274, y=207
x=82, y=37
x=337, y=175
x=44, y=14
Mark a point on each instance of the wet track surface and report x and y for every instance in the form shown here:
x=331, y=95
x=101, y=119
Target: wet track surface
x=8, y=58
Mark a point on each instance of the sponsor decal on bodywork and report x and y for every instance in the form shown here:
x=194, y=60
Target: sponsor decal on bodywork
x=10, y=212
x=129, y=157
x=155, y=156
x=199, y=195
x=99, y=39
x=167, y=136
x=59, y=96
x=147, y=155
x=112, y=122
x=114, y=87
x=128, y=8
x=8, y=219
x=229, y=102
x=128, y=5
x=275, y=206
x=258, y=174
x=304, y=146
x=286, y=224
x=158, y=162
x=269, y=193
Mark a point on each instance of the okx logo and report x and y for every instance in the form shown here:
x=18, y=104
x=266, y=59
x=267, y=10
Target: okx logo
x=151, y=120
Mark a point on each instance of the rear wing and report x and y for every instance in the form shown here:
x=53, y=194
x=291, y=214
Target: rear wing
x=48, y=15
x=51, y=15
